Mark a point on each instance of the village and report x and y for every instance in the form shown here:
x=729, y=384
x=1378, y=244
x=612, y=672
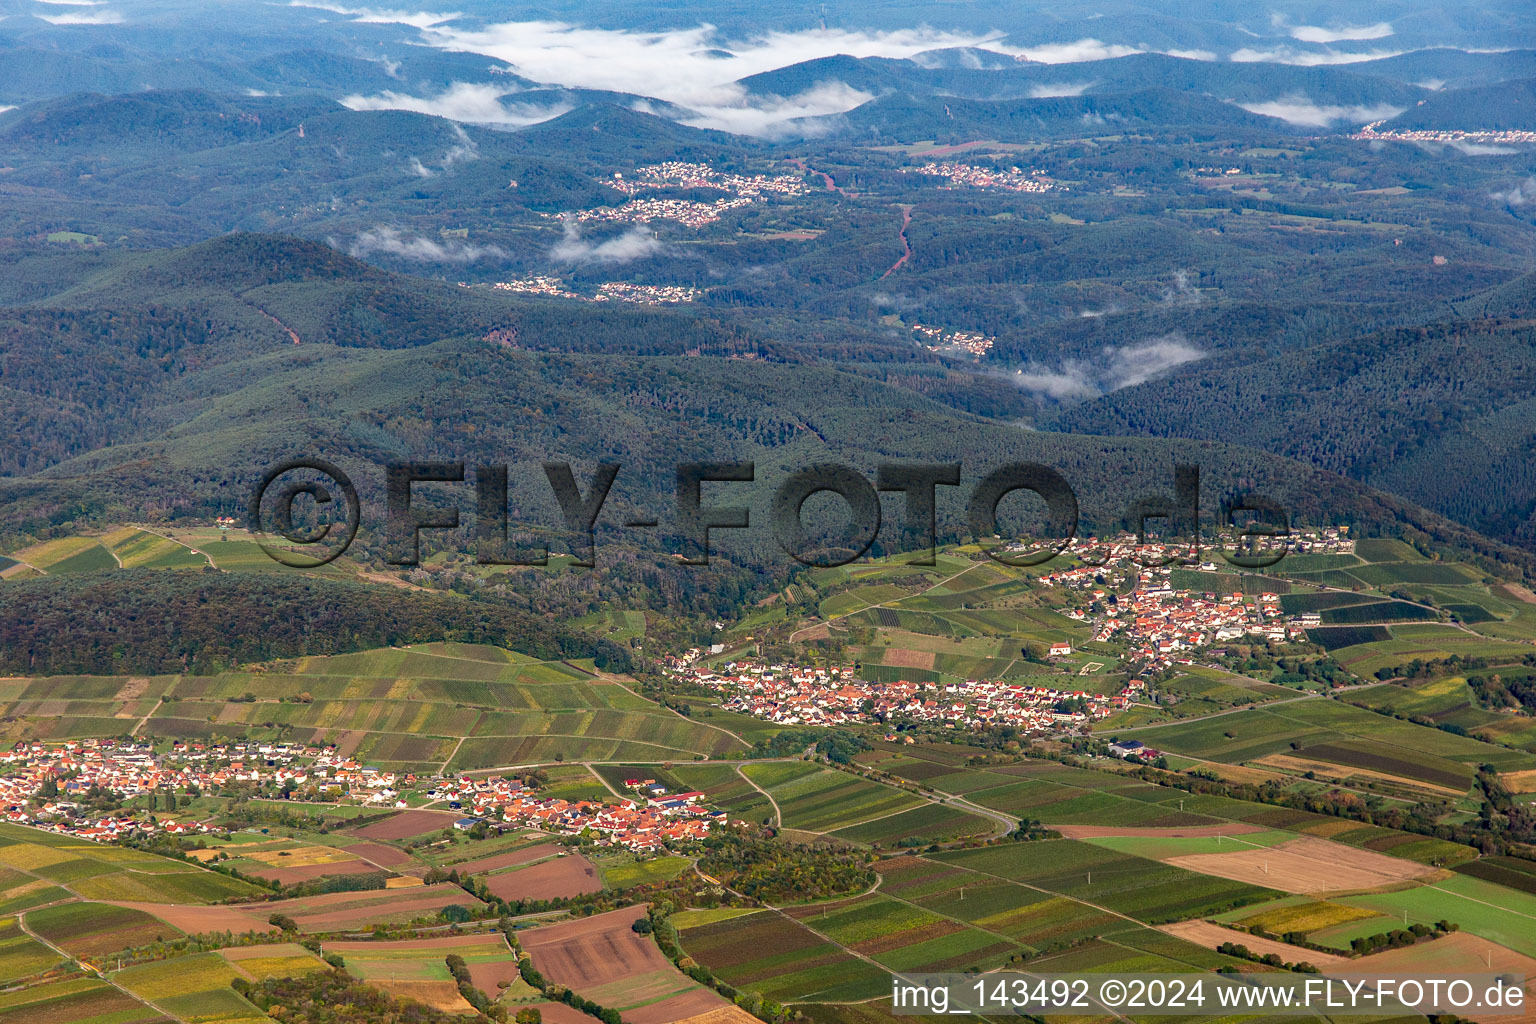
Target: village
x=827, y=696
x=1162, y=625
x=607, y=291
x=970, y=176
x=743, y=190
x=1121, y=590
x=649, y=821
x=1371, y=133
x=46, y=785
x=939, y=339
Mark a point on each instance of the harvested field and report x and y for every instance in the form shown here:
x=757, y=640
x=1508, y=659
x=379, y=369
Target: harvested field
x=1177, y=832
x=1520, y=782
x=488, y=976
x=594, y=950
x=201, y=919
x=507, y=860
x=560, y=1013
x=440, y=995
x=602, y=958
x=901, y=657
x=728, y=1014
x=378, y=853
x=562, y=876
x=354, y=909
x=1307, y=865
x=1203, y=933
x=696, y=1002
x=407, y=824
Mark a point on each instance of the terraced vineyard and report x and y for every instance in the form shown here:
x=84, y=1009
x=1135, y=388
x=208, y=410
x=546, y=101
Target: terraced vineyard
x=413, y=708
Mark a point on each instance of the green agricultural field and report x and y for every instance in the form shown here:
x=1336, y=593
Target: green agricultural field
x=932, y=823
x=406, y=709
x=621, y=873
x=818, y=799
x=195, y=988
x=22, y=956
x=75, y=1001
x=724, y=787
x=1483, y=908
x=782, y=960
x=1331, y=729
x=95, y=929
x=99, y=872
x=1163, y=847
x=1146, y=890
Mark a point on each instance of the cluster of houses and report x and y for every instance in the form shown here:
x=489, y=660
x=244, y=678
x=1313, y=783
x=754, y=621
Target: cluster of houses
x=937, y=339
x=646, y=294
x=687, y=212
x=828, y=696
x=742, y=190
x=66, y=771
x=970, y=176
x=651, y=820
x=608, y=291
x=1371, y=133
x=1162, y=625
x=680, y=174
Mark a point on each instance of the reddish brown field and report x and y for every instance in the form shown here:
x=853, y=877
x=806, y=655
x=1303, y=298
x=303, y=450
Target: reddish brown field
x=730, y=1013
x=563, y=876
x=902, y=657
x=1107, y=831
x=356, y=909
x=201, y=919
x=407, y=824
x=488, y=977
x=507, y=860
x=602, y=958
x=559, y=1013
x=594, y=950
x=696, y=1003
x=378, y=853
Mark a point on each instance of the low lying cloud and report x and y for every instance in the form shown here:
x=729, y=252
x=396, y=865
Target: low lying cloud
x=375, y=16
x=463, y=101
x=773, y=117
x=634, y=244
x=1466, y=148
x=1432, y=84
x=1307, y=58
x=1180, y=291
x=1299, y=110
x=1521, y=193
x=698, y=68
x=1042, y=92
x=1344, y=33
x=88, y=17
x=1115, y=367
x=393, y=242
x=4, y=107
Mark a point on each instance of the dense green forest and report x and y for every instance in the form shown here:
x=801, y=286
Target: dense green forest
x=143, y=620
